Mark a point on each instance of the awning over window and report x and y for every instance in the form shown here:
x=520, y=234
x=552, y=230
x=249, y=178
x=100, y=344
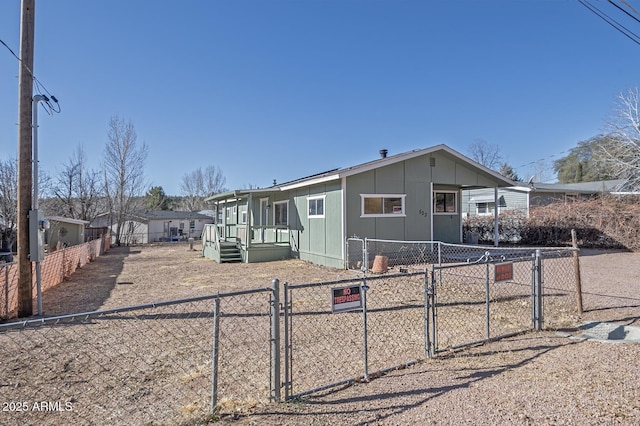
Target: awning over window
x=486, y=199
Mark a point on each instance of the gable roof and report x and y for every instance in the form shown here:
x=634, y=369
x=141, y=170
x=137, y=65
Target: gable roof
x=339, y=173
x=385, y=161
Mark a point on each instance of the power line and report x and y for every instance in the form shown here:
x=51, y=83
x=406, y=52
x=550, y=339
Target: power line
x=615, y=24
x=542, y=159
x=624, y=11
x=39, y=88
x=629, y=6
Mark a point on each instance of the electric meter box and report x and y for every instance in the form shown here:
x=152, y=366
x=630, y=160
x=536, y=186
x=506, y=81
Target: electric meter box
x=37, y=226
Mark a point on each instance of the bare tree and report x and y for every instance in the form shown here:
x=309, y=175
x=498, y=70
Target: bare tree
x=123, y=168
x=486, y=154
x=76, y=191
x=8, y=201
x=541, y=171
x=622, y=146
x=199, y=184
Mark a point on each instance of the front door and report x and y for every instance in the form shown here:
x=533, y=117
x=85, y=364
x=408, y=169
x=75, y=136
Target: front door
x=447, y=222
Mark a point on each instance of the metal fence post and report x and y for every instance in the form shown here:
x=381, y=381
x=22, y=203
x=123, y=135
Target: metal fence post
x=536, y=304
x=363, y=290
x=365, y=255
x=288, y=381
x=275, y=340
x=214, y=359
x=487, y=298
x=429, y=291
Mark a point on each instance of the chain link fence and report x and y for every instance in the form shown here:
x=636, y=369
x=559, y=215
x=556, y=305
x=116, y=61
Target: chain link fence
x=325, y=349
x=495, y=298
x=361, y=253
x=178, y=362
x=138, y=365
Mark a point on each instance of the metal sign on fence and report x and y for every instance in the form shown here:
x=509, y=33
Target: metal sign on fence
x=503, y=271
x=345, y=299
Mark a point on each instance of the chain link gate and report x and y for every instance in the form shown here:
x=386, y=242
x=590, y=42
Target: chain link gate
x=325, y=348
x=482, y=301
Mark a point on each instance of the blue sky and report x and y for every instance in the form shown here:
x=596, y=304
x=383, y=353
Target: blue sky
x=282, y=89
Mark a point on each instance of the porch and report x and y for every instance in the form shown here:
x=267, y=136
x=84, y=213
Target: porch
x=229, y=243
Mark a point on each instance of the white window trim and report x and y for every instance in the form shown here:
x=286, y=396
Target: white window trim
x=440, y=191
x=275, y=203
x=490, y=211
x=365, y=196
x=324, y=206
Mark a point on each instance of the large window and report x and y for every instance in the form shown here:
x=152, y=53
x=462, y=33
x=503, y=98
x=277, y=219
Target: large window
x=445, y=202
x=281, y=213
x=381, y=205
x=316, y=206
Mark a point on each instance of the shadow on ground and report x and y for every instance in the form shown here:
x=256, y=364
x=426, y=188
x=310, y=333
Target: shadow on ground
x=88, y=288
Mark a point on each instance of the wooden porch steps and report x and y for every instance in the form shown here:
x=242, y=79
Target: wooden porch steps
x=229, y=252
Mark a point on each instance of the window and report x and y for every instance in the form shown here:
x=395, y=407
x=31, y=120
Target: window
x=445, y=202
x=181, y=225
x=243, y=217
x=192, y=225
x=281, y=213
x=228, y=213
x=316, y=206
x=485, y=208
x=379, y=205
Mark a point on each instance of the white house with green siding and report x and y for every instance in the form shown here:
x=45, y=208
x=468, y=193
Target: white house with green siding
x=414, y=196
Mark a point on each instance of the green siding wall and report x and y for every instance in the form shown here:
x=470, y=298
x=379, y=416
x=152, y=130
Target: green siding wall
x=412, y=178
x=318, y=238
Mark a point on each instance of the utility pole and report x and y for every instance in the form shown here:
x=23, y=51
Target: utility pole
x=25, y=151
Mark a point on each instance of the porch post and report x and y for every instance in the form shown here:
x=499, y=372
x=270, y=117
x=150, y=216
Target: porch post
x=496, y=231
x=249, y=221
x=431, y=210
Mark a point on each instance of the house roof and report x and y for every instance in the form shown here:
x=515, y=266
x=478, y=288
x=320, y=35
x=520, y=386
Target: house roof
x=146, y=215
x=68, y=220
x=385, y=161
x=170, y=215
x=336, y=174
x=580, y=187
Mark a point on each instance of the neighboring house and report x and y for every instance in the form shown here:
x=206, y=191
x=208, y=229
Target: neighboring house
x=65, y=232
x=482, y=202
x=412, y=196
x=145, y=227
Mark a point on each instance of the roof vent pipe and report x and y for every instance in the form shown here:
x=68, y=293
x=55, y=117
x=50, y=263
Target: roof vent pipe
x=383, y=153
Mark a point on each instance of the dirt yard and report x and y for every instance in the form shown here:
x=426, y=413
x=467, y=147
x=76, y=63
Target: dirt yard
x=536, y=378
